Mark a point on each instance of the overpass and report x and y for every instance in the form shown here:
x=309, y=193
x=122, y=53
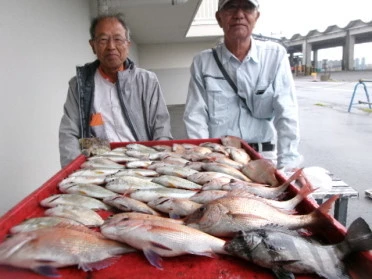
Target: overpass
x=355, y=32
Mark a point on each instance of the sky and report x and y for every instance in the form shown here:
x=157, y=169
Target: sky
x=287, y=17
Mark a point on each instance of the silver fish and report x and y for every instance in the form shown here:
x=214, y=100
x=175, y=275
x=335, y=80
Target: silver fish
x=82, y=180
x=117, y=158
x=74, y=199
x=216, y=147
x=218, y=167
x=130, y=183
x=286, y=252
x=44, y=250
x=36, y=223
x=81, y=214
x=90, y=190
x=128, y=204
x=147, y=195
x=162, y=147
x=206, y=176
x=138, y=164
x=205, y=197
x=99, y=162
x=179, y=171
x=138, y=215
x=93, y=172
x=161, y=238
x=228, y=215
x=176, y=182
x=174, y=207
x=140, y=147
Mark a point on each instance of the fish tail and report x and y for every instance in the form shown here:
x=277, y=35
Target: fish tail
x=358, y=237
x=321, y=214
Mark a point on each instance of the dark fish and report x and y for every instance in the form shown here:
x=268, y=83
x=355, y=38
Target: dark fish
x=286, y=252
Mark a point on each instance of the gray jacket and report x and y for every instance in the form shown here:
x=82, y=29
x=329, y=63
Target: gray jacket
x=141, y=100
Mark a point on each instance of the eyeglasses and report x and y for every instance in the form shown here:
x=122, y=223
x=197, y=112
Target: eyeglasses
x=232, y=7
x=105, y=40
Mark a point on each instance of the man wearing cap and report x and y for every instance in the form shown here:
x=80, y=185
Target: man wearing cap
x=244, y=87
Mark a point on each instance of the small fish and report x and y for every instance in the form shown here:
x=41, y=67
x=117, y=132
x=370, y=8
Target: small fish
x=261, y=171
x=176, y=182
x=90, y=190
x=286, y=252
x=218, y=167
x=239, y=155
x=216, y=147
x=174, y=207
x=161, y=238
x=179, y=171
x=228, y=215
x=130, y=183
x=73, y=199
x=81, y=214
x=117, y=158
x=44, y=250
x=138, y=164
x=141, y=147
x=93, y=172
x=147, y=195
x=128, y=204
x=94, y=146
x=36, y=223
x=162, y=147
x=218, y=182
x=224, y=160
x=82, y=180
x=231, y=141
x=207, y=176
x=99, y=163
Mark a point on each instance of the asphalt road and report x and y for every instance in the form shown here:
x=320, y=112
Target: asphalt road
x=331, y=137
x=335, y=139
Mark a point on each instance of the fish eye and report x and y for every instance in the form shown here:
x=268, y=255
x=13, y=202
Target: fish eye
x=125, y=219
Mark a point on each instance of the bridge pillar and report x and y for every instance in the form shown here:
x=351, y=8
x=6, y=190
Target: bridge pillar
x=348, y=53
x=306, y=51
x=315, y=58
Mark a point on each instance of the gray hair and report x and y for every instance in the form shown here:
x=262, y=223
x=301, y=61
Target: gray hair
x=119, y=17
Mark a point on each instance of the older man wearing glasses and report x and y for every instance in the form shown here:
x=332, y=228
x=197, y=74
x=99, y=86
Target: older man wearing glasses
x=244, y=87
x=111, y=98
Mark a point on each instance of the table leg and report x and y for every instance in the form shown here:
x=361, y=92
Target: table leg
x=340, y=212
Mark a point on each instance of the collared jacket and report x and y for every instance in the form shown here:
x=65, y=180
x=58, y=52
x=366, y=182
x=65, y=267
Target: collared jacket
x=141, y=101
x=263, y=110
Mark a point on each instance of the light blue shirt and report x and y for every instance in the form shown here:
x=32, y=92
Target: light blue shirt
x=264, y=80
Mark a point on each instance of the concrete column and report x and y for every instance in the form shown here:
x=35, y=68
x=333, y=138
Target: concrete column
x=306, y=50
x=103, y=6
x=315, y=57
x=348, y=53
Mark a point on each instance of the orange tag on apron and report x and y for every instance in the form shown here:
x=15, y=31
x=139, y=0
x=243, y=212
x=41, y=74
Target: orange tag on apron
x=96, y=120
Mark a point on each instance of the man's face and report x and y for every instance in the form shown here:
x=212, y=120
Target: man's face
x=237, y=19
x=110, y=43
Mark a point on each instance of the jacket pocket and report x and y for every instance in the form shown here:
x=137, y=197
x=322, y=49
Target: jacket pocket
x=263, y=102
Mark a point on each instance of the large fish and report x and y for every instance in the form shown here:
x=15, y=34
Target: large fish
x=228, y=215
x=146, y=195
x=286, y=252
x=90, y=190
x=130, y=183
x=162, y=238
x=46, y=249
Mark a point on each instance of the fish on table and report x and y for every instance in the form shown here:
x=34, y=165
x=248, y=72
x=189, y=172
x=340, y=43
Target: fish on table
x=225, y=216
x=74, y=199
x=161, y=238
x=287, y=252
x=46, y=249
x=128, y=204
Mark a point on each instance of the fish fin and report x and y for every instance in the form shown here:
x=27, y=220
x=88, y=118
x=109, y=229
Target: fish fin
x=153, y=258
x=47, y=270
x=209, y=254
x=98, y=265
x=281, y=273
x=324, y=208
x=358, y=237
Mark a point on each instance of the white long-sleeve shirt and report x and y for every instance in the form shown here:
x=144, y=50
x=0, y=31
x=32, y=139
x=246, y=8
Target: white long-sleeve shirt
x=264, y=80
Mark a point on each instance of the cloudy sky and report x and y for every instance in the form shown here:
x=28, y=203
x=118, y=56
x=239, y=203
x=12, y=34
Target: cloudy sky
x=287, y=17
